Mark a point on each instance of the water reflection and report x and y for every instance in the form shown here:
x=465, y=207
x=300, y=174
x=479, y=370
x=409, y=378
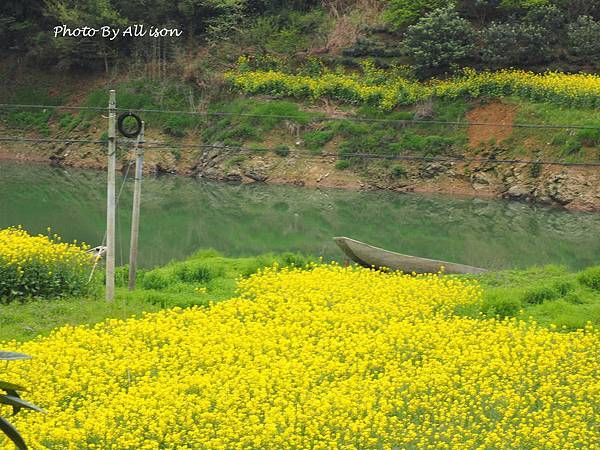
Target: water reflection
x=180, y=215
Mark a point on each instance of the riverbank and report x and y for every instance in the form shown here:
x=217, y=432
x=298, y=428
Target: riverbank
x=571, y=187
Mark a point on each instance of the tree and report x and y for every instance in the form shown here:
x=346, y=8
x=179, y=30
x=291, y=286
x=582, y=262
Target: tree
x=584, y=38
x=514, y=44
x=440, y=41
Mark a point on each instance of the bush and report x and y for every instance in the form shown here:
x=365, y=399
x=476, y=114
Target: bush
x=398, y=171
x=539, y=295
x=282, y=150
x=501, y=304
x=400, y=13
x=315, y=140
x=196, y=272
x=440, y=41
x=589, y=137
x=583, y=37
x=342, y=164
x=156, y=279
x=590, y=278
x=41, y=266
x=176, y=126
x=508, y=44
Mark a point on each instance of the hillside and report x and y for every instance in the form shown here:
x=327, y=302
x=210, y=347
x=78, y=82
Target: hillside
x=406, y=115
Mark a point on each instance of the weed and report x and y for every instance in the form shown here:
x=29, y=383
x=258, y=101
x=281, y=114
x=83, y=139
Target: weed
x=282, y=150
x=342, y=164
x=590, y=278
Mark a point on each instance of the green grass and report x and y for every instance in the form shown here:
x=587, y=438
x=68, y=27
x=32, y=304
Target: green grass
x=549, y=295
x=244, y=128
x=202, y=278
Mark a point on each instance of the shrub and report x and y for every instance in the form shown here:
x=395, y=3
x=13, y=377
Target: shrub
x=156, y=279
x=176, y=125
x=535, y=170
x=400, y=13
x=236, y=160
x=282, y=150
x=41, y=266
x=563, y=287
x=342, y=164
x=507, y=44
x=398, y=171
x=440, y=41
x=589, y=137
x=571, y=147
x=590, y=278
x=501, y=304
x=196, y=272
x=539, y=295
x=315, y=140
x=584, y=37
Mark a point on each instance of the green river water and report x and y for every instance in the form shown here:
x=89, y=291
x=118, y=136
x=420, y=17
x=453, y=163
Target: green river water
x=180, y=215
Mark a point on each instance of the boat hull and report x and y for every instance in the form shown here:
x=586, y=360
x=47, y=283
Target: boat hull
x=369, y=256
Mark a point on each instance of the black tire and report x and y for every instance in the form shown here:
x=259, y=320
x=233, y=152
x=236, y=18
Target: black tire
x=123, y=131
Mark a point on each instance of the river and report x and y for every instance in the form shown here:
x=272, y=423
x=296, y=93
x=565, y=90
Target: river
x=180, y=215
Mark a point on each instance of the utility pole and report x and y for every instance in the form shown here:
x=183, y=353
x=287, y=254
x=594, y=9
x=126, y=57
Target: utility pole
x=135, y=214
x=111, y=200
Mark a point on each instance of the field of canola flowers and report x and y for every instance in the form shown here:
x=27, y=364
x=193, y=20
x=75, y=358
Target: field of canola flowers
x=40, y=266
x=387, y=92
x=323, y=358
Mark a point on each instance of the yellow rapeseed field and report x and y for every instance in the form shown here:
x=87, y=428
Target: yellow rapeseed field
x=324, y=358
x=387, y=91
x=40, y=265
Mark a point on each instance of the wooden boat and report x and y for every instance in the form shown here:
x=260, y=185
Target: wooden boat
x=369, y=256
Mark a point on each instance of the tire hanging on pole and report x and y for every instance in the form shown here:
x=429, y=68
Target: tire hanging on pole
x=121, y=125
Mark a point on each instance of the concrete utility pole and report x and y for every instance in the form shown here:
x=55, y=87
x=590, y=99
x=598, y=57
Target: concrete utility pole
x=135, y=214
x=111, y=200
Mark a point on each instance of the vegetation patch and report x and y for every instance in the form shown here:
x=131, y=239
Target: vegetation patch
x=293, y=324
x=41, y=266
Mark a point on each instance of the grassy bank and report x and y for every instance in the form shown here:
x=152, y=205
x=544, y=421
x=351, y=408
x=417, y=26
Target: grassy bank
x=551, y=296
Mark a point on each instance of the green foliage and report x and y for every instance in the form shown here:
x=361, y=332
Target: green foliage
x=539, y=295
x=427, y=145
x=237, y=160
x=549, y=295
x=590, y=278
x=282, y=150
x=267, y=116
x=572, y=146
x=513, y=44
x=535, y=170
x=12, y=398
x=36, y=120
x=589, y=137
x=176, y=125
x=398, y=171
x=440, y=41
x=315, y=140
x=401, y=13
x=342, y=164
x=584, y=37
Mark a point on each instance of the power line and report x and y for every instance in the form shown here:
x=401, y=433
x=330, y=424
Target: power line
x=313, y=118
